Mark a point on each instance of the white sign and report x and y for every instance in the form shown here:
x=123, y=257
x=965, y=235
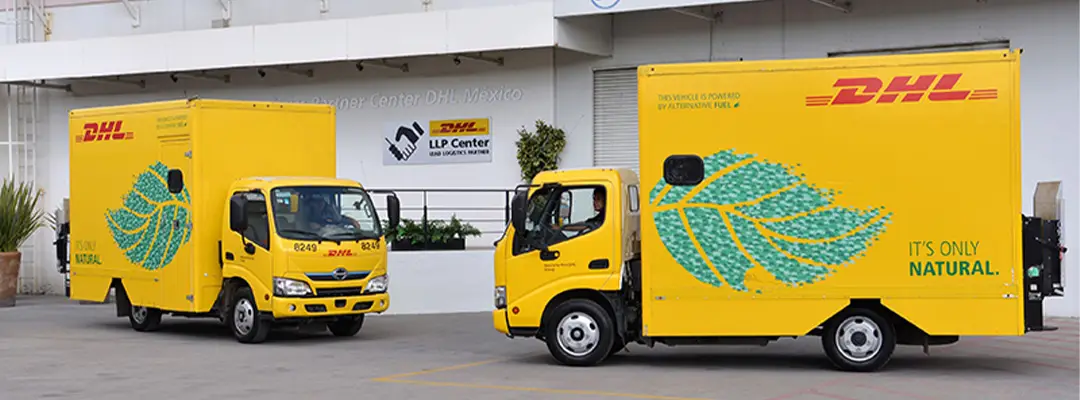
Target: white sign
x=570, y=8
x=437, y=142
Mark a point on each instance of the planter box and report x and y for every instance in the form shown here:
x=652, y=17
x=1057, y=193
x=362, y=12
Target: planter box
x=405, y=245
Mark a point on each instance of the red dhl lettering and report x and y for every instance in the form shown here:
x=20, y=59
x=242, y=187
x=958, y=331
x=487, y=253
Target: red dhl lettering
x=340, y=253
x=906, y=89
x=456, y=127
x=108, y=130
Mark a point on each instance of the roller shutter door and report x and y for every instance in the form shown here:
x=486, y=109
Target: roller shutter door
x=615, y=118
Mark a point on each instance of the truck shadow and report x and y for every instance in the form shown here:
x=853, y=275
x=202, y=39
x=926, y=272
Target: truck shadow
x=958, y=366
x=180, y=328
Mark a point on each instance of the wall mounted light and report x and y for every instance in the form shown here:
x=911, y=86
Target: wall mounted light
x=403, y=67
x=479, y=57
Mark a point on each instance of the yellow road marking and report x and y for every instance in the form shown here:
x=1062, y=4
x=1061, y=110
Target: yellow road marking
x=400, y=378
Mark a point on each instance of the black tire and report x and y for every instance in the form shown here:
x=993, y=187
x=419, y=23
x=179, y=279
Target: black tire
x=346, y=326
x=862, y=328
x=617, y=346
x=586, y=325
x=244, y=320
x=144, y=319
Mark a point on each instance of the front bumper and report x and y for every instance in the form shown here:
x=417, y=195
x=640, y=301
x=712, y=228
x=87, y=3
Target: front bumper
x=288, y=307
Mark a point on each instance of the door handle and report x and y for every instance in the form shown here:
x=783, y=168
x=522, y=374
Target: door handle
x=548, y=255
x=229, y=256
x=599, y=264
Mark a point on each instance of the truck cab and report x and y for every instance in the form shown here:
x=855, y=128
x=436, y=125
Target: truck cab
x=311, y=250
x=567, y=251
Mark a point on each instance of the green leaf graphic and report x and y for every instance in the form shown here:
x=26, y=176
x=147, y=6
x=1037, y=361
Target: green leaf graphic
x=143, y=228
x=750, y=212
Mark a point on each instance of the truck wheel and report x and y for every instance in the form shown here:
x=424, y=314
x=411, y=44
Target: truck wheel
x=144, y=319
x=580, y=333
x=346, y=326
x=244, y=319
x=859, y=340
x=616, y=346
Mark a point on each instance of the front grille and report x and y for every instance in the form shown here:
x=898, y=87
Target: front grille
x=315, y=308
x=329, y=276
x=339, y=292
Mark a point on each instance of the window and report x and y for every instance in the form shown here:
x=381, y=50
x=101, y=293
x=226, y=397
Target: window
x=258, y=221
x=559, y=214
x=325, y=213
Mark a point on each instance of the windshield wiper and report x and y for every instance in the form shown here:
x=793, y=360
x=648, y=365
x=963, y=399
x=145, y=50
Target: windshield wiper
x=309, y=234
x=358, y=235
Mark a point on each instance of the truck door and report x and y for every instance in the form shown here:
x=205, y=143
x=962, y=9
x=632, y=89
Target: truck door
x=175, y=228
x=250, y=249
x=578, y=224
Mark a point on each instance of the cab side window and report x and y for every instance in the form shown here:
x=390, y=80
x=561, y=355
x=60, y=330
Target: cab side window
x=258, y=221
x=558, y=215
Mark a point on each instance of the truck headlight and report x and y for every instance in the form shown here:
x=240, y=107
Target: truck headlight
x=286, y=287
x=378, y=284
x=500, y=297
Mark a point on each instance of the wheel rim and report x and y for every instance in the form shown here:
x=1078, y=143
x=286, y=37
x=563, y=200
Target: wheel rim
x=138, y=314
x=244, y=316
x=578, y=334
x=858, y=339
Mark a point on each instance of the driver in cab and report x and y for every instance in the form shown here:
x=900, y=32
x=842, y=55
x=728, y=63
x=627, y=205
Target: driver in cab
x=599, y=200
x=321, y=214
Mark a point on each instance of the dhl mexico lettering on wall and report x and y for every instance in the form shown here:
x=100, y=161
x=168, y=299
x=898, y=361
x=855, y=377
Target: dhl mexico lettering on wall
x=438, y=142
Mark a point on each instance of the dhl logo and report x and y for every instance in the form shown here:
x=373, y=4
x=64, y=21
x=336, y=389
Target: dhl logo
x=340, y=253
x=108, y=130
x=460, y=127
x=907, y=89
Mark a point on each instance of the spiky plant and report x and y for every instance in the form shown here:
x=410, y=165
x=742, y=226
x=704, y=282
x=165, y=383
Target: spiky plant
x=20, y=216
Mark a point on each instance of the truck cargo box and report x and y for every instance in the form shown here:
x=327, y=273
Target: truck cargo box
x=802, y=185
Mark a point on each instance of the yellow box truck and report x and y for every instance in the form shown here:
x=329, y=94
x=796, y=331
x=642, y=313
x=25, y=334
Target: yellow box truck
x=223, y=209
x=871, y=201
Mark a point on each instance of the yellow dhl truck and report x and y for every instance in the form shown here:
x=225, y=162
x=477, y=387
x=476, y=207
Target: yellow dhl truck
x=870, y=201
x=223, y=209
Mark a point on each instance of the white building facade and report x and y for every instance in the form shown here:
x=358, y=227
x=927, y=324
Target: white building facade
x=569, y=63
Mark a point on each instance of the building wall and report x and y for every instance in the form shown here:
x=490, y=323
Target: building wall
x=1046, y=29
x=69, y=22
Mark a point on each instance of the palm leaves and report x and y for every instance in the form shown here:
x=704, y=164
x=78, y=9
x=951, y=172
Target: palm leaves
x=20, y=216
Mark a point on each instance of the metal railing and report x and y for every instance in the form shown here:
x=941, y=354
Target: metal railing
x=488, y=210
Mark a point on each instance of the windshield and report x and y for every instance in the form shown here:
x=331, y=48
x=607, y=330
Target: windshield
x=318, y=213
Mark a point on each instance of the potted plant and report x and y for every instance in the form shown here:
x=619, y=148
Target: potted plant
x=539, y=150
x=438, y=235
x=19, y=219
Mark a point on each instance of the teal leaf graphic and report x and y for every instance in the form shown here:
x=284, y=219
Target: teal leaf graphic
x=143, y=227
x=750, y=213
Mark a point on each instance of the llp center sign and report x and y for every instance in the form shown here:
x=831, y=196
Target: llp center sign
x=438, y=142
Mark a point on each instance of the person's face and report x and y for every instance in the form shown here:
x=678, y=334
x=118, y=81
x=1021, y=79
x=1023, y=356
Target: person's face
x=597, y=202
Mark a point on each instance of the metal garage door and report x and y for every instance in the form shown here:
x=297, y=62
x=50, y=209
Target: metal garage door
x=615, y=118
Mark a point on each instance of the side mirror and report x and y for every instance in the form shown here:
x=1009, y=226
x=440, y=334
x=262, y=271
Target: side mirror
x=175, y=181
x=517, y=211
x=393, y=209
x=238, y=213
